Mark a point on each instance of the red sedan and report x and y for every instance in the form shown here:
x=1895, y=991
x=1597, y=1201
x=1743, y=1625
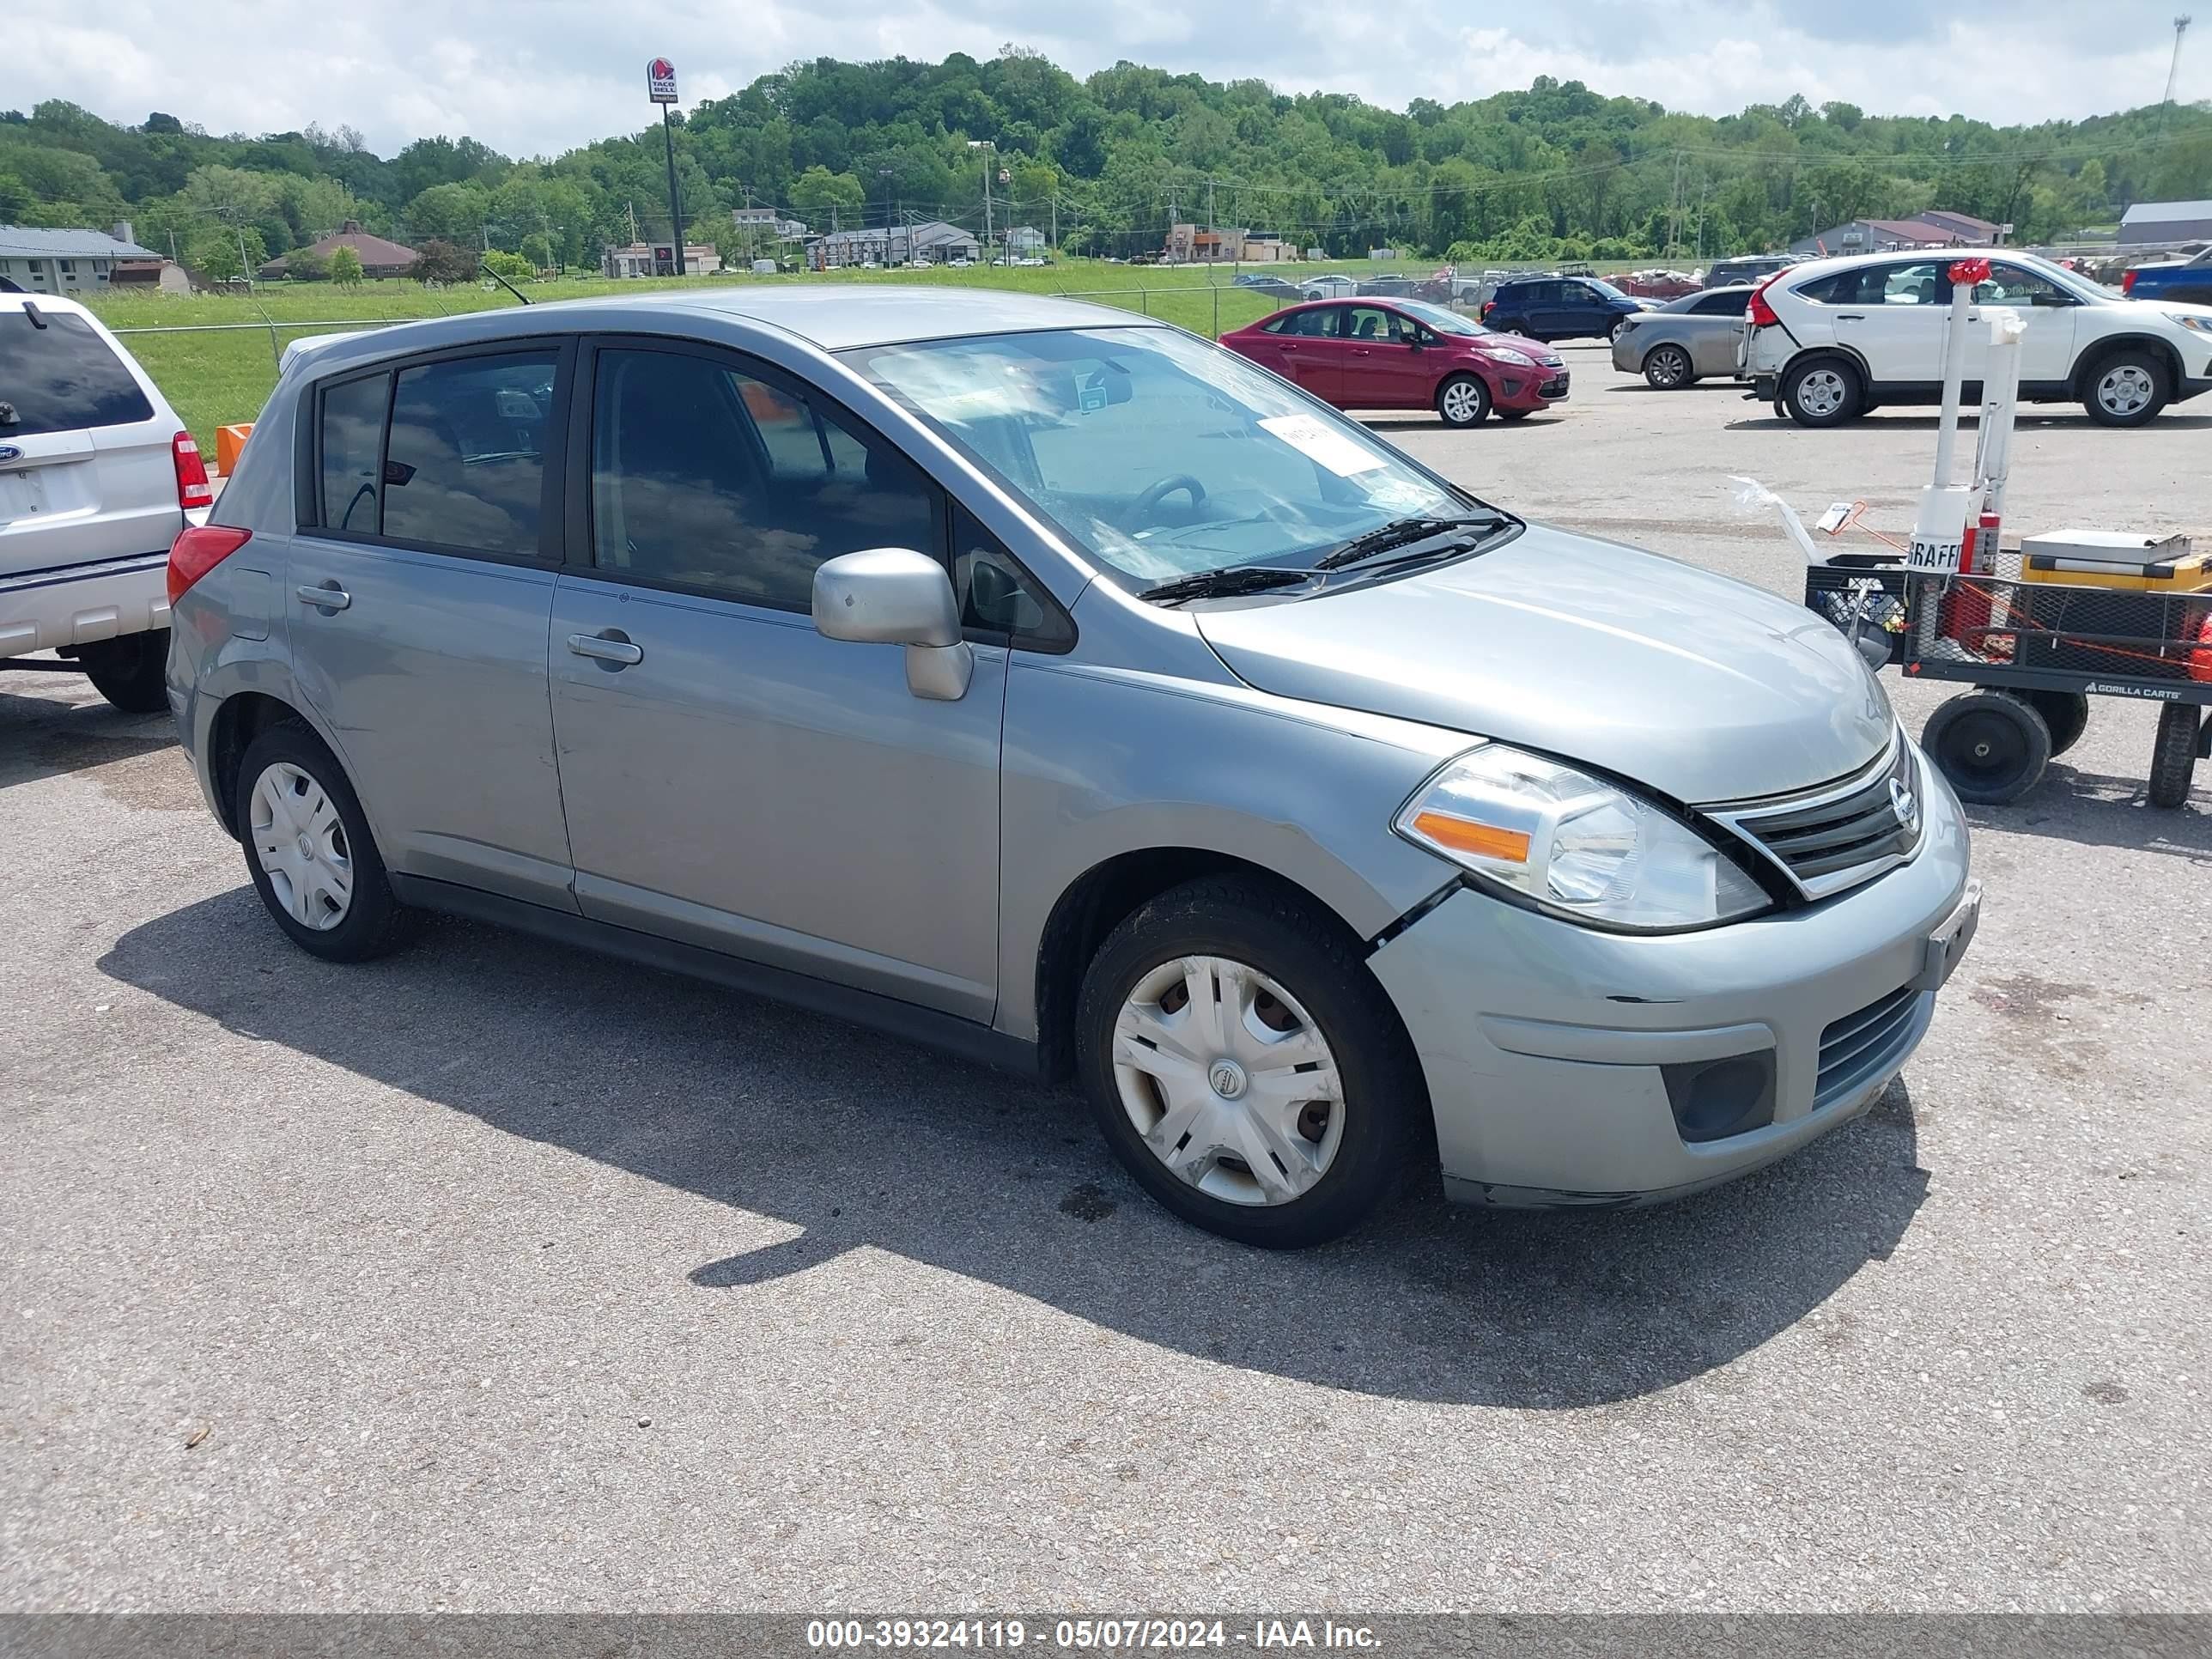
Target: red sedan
x=1404, y=354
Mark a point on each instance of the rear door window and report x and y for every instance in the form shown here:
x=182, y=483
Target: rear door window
x=62, y=377
x=352, y=451
x=1733, y=304
x=465, y=461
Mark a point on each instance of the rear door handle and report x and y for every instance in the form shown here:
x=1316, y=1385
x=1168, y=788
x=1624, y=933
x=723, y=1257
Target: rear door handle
x=608, y=647
x=1850, y=317
x=327, y=597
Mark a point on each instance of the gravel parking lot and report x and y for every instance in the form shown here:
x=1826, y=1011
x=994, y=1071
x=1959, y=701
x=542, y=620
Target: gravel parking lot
x=493, y=1277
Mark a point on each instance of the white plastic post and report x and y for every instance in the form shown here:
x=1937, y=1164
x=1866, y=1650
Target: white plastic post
x=2000, y=404
x=1964, y=275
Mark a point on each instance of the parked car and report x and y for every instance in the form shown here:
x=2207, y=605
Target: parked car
x=1404, y=354
x=1053, y=685
x=1329, y=287
x=1685, y=339
x=97, y=477
x=1274, y=287
x=1832, y=339
x=1753, y=268
x=2187, y=282
x=1559, y=307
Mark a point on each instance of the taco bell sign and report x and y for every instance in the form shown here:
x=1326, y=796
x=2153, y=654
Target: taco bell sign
x=660, y=80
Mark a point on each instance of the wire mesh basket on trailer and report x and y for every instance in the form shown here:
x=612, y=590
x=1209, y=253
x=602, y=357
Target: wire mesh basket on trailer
x=2039, y=633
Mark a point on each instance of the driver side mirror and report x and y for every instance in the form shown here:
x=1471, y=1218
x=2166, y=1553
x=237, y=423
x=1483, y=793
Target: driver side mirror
x=895, y=596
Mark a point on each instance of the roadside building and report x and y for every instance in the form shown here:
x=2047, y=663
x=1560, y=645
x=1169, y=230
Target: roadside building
x=658, y=259
x=40, y=261
x=1937, y=228
x=1193, y=245
x=378, y=257
x=932, y=240
x=161, y=276
x=2165, y=222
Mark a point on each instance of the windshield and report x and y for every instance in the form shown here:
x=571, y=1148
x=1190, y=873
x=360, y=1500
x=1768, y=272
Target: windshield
x=2073, y=281
x=1605, y=287
x=1442, y=318
x=1160, y=453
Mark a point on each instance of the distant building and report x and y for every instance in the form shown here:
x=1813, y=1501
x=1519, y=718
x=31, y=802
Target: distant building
x=66, y=261
x=769, y=223
x=165, y=275
x=1190, y=245
x=378, y=257
x=932, y=239
x=1937, y=228
x=1023, y=239
x=658, y=259
x=2165, y=222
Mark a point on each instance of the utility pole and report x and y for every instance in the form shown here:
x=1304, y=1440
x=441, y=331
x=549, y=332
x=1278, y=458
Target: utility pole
x=1674, y=219
x=1055, y=220
x=2174, y=74
x=989, y=150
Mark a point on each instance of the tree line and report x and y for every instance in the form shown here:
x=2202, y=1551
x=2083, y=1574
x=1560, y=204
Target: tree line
x=1109, y=163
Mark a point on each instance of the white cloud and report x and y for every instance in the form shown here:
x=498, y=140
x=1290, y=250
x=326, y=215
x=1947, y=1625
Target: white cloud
x=540, y=75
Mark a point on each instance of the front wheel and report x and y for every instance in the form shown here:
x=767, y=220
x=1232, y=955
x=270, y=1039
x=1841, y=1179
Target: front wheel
x=2126, y=389
x=2173, y=754
x=130, y=671
x=1515, y=414
x=2066, y=713
x=1825, y=392
x=1245, y=1066
x=1990, y=746
x=1463, y=400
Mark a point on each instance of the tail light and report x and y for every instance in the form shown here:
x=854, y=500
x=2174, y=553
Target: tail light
x=198, y=551
x=1760, y=314
x=1488, y=306
x=193, y=490
x=2128, y=284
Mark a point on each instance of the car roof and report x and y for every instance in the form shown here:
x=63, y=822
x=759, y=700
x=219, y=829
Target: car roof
x=44, y=302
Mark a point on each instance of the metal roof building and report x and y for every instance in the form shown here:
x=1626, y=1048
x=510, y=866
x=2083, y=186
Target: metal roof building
x=2165, y=222
x=41, y=261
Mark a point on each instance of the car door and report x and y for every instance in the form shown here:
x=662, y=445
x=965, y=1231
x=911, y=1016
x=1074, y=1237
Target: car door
x=1892, y=316
x=1308, y=351
x=418, y=590
x=1543, y=305
x=733, y=779
x=1714, y=330
x=1382, y=369
x=2050, y=312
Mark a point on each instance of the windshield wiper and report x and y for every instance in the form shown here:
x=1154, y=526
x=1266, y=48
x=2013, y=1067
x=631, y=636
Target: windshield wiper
x=1226, y=583
x=1402, y=532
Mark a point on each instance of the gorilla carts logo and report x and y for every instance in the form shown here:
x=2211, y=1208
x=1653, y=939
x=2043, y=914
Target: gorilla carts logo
x=660, y=80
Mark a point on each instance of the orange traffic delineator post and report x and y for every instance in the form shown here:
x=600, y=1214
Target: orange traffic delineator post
x=229, y=441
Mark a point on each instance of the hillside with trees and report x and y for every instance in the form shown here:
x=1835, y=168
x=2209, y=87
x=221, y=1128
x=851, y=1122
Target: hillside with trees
x=1555, y=170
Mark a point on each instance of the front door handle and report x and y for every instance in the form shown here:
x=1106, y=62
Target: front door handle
x=610, y=647
x=328, y=596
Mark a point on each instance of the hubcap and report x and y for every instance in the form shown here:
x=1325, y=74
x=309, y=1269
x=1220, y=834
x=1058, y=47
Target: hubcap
x=1820, y=392
x=1229, y=1080
x=1990, y=748
x=300, y=842
x=2125, y=389
x=1666, y=367
x=1461, y=401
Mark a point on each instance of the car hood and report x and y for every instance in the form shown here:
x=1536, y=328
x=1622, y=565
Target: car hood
x=1702, y=688
x=1483, y=345
x=2173, y=307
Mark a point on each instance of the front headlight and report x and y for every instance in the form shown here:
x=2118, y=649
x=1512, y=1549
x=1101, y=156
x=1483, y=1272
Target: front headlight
x=2200, y=324
x=1575, y=846
x=1504, y=355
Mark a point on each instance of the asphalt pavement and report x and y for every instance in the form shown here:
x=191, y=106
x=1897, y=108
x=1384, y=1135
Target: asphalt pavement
x=491, y=1276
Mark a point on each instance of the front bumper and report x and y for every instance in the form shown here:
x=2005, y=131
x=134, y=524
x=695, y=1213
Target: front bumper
x=1530, y=388
x=1543, y=1042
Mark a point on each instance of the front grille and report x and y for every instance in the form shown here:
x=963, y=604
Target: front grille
x=1841, y=834
x=1554, y=387
x=1859, y=1048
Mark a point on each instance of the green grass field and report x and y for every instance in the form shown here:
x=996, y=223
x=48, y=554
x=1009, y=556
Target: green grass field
x=222, y=370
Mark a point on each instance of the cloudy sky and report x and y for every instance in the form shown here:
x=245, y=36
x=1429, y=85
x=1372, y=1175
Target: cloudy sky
x=531, y=77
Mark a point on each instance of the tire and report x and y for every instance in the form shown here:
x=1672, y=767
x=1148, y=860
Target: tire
x=1463, y=400
x=1348, y=1153
x=1619, y=327
x=2066, y=713
x=1666, y=367
x=2173, y=754
x=1823, y=391
x=2127, y=387
x=323, y=820
x=130, y=673
x=1990, y=746
x=1515, y=414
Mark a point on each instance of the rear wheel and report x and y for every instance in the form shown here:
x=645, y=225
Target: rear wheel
x=130, y=671
x=2126, y=389
x=1825, y=392
x=2066, y=713
x=1245, y=1066
x=2173, y=756
x=309, y=851
x=1463, y=400
x=1666, y=367
x=1991, y=746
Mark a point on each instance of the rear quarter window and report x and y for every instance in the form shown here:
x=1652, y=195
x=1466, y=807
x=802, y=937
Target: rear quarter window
x=62, y=377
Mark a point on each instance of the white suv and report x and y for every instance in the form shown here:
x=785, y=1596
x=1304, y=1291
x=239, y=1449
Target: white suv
x=1833, y=338
x=97, y=477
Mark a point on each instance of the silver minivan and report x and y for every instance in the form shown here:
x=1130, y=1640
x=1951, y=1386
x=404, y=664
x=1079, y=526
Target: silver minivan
x=1054, y=686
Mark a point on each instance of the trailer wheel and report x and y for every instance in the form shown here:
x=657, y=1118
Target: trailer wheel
x=1990, y=745
x=2173, y=756
x=2066, y=713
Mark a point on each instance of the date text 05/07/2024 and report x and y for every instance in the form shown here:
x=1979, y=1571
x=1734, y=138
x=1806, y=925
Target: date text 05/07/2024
x=1133, y=1635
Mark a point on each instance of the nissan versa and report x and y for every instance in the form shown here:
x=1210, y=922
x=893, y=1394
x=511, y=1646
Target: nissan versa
x=1057, y=686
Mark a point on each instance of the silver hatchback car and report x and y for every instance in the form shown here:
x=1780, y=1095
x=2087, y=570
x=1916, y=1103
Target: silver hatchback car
x=1054, y=686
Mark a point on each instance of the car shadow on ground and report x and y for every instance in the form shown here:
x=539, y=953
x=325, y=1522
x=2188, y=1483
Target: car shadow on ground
x=48, y=736
x=2094, y=809
x=1894, y=419
x=865, y=1142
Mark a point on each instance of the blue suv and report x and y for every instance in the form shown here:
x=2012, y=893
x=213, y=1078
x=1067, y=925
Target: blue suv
x=1559, y=308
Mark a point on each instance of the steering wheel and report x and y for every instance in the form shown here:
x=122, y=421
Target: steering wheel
x=1142, y=510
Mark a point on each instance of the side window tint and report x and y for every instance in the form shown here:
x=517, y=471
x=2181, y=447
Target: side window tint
x=710, y=477
x=996, y=594
x=1923, y=284
x=1725, y=304
x=352, y=447
x=466, y=465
